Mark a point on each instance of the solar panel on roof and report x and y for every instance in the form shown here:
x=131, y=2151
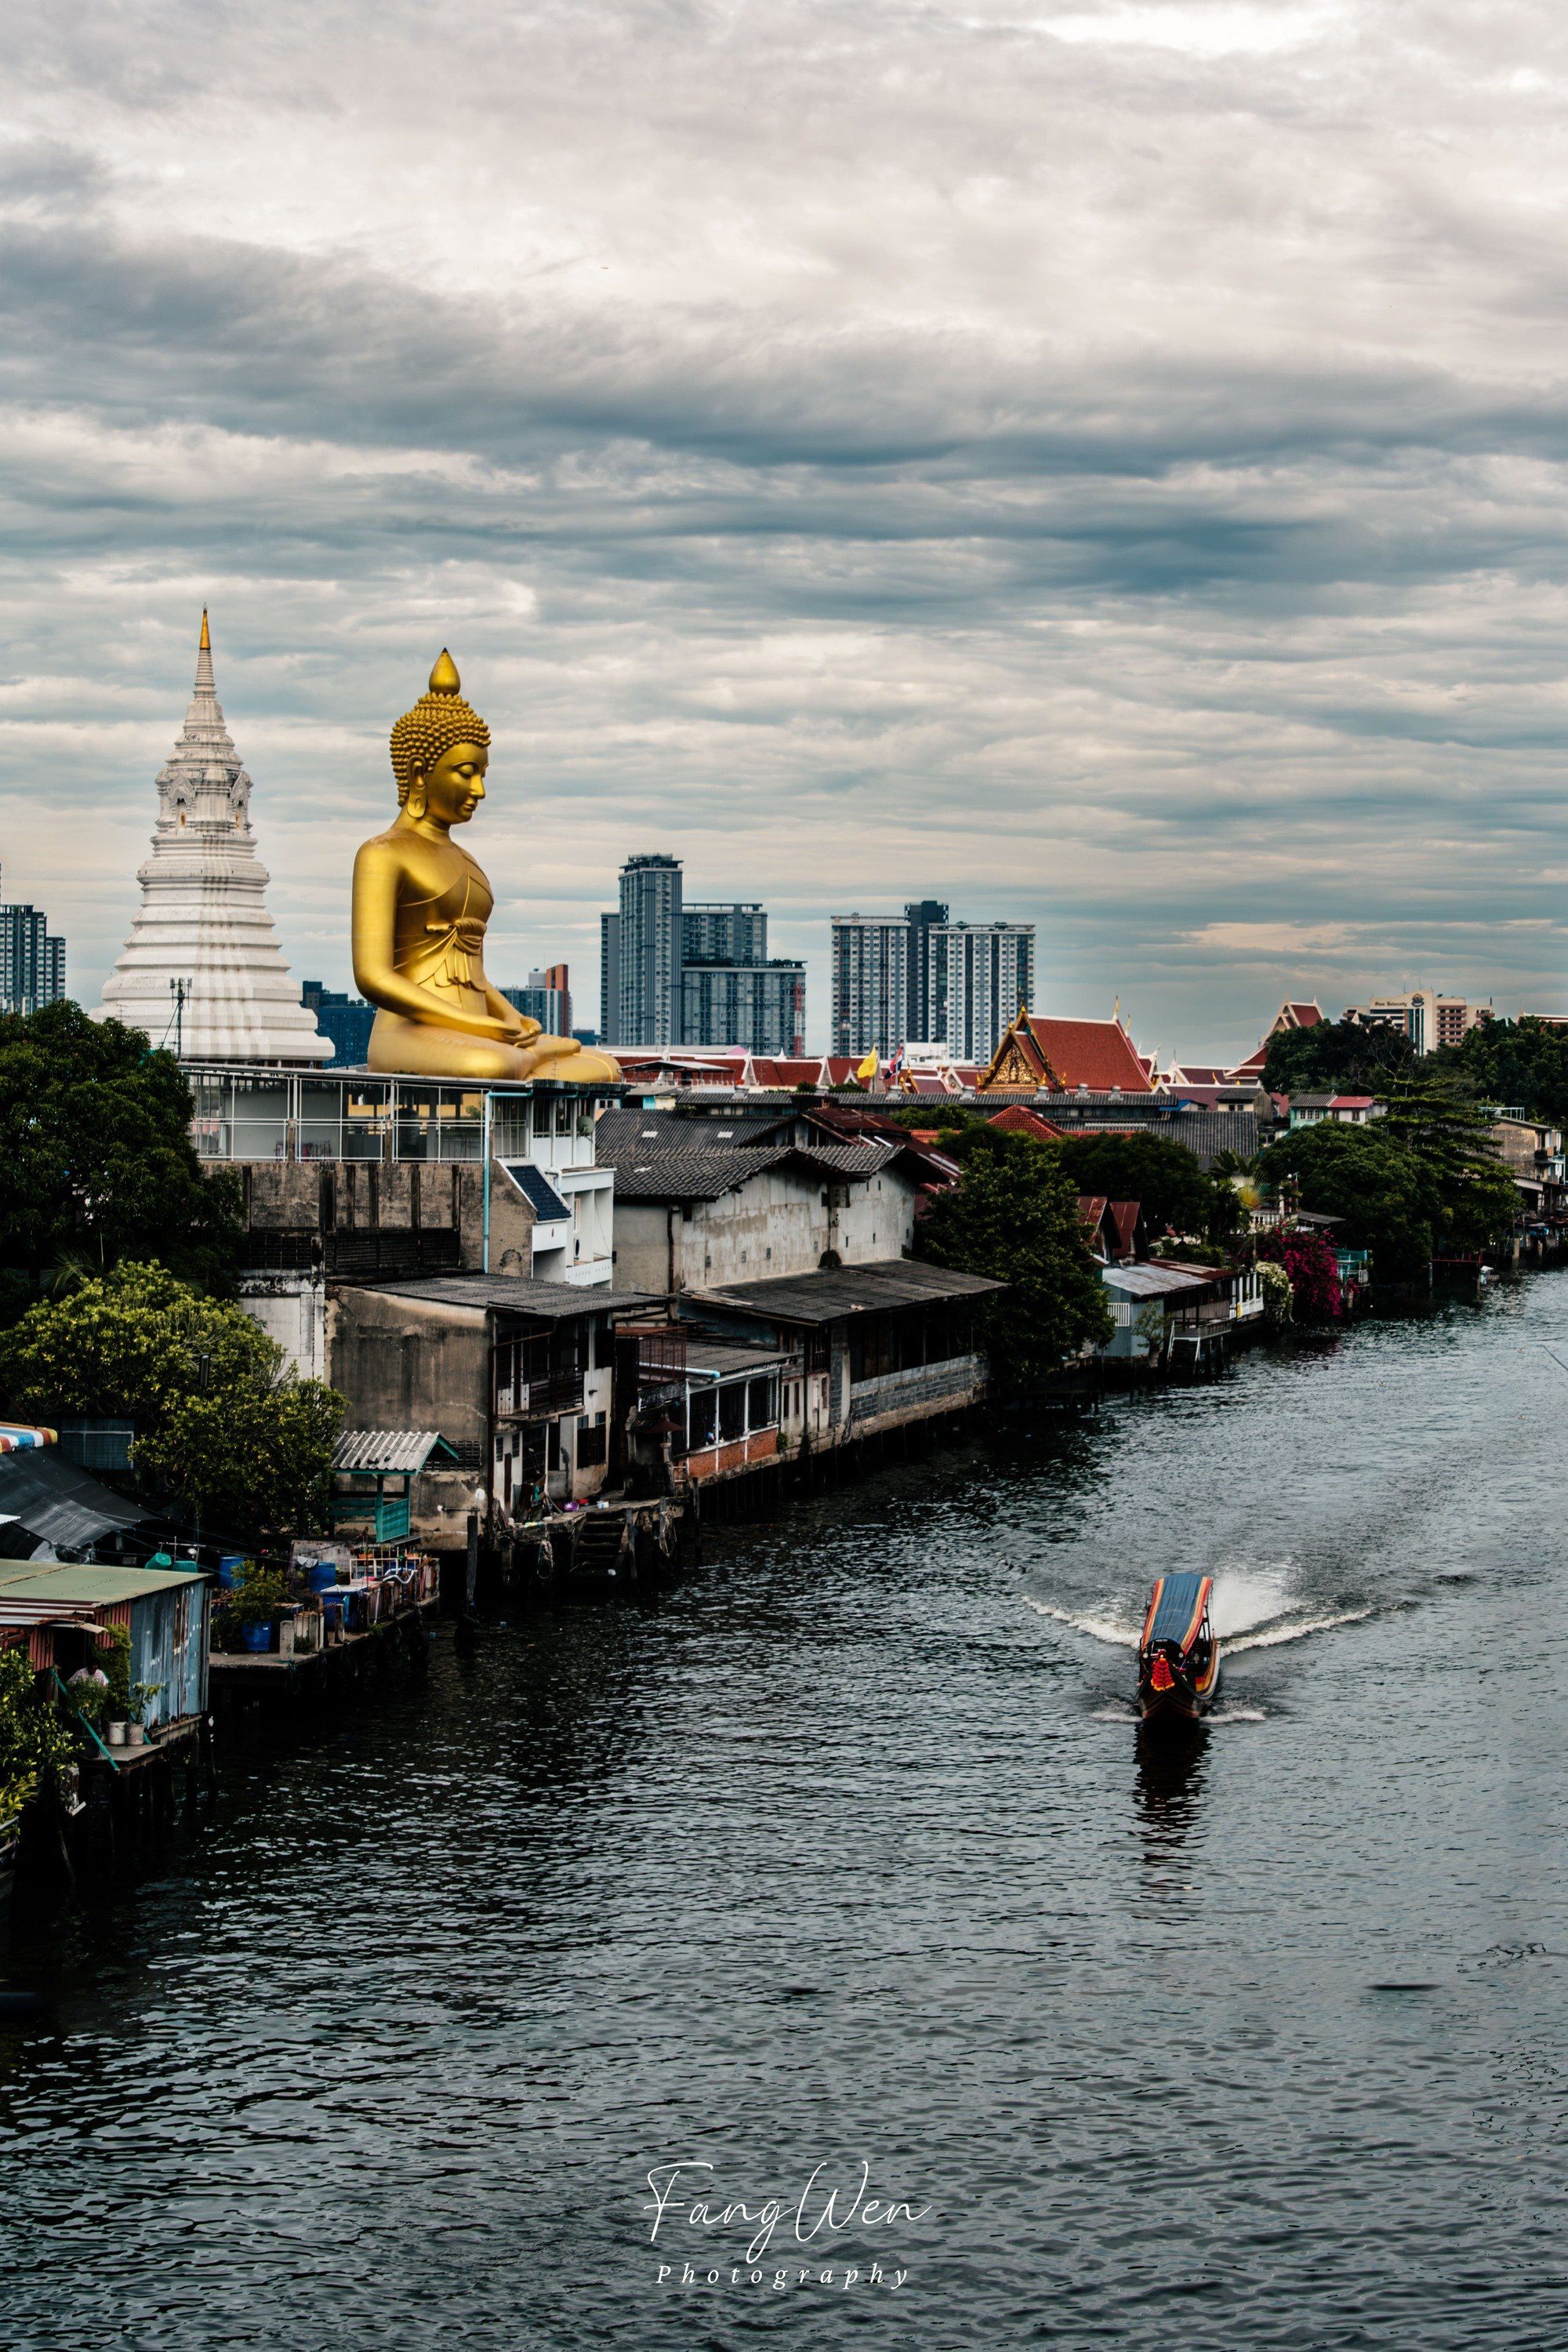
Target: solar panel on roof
x=539, y=1191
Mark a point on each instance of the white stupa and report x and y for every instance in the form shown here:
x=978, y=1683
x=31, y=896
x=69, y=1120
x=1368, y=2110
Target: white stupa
x=203, y=921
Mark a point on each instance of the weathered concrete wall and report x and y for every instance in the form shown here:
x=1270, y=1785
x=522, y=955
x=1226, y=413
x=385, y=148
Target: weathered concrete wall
x=896, y=1398
x=406, y=1363
x=348, y=1196
x=776, y=1224
x=640, y=1257
x=874, y=1220
x=282, y=1195
x=292, y=1309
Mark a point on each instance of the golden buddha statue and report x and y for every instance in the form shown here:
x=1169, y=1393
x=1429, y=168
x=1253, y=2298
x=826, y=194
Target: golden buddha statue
x=420, y=908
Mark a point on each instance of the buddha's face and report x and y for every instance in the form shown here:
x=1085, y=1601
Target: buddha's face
x=454, y=787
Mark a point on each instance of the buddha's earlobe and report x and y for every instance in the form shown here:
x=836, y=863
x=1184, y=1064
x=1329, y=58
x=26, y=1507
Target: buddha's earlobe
x=417, y=802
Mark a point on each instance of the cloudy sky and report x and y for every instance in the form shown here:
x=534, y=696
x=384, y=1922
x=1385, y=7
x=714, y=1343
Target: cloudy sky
x=1103, y=464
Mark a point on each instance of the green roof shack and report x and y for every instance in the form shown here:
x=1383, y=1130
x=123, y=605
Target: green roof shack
x=59, y=1609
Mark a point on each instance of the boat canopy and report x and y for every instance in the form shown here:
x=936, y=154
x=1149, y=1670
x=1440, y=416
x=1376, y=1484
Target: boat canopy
x=1177, y=1608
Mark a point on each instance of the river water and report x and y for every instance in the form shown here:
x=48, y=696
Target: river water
x=843, y=1863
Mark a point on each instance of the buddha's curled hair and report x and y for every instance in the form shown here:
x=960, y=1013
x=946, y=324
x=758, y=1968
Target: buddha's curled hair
x=437, y=720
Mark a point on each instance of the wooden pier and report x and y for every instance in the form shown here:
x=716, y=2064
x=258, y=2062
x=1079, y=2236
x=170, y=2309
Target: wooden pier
x=256, y=1682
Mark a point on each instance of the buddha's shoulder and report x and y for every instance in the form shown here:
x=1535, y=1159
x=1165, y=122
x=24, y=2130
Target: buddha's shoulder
x=399, y=851
x=394, y=843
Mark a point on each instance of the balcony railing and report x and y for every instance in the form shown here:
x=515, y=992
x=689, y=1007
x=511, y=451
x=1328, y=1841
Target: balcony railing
x=533, y=1399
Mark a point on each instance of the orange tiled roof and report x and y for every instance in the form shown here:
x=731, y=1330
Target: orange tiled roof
x=1019, y=1120
x=1097, y=1055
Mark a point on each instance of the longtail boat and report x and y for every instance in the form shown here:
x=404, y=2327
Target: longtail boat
x=1178, y=1656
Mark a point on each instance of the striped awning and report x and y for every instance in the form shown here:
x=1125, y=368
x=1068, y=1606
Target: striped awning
x=15, y=1435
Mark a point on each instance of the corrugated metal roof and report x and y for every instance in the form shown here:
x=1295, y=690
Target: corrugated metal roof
x=717, y=1358
x=386, y=1450
x=831, y=1292
x=60, y=1503
x=1152, y=1281
x=72, y=1587
x=512, y=1294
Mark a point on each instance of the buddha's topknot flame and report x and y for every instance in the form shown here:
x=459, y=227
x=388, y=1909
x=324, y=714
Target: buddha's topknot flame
x=437, y=720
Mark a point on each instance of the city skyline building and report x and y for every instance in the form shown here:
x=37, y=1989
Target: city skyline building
x=923, y=916
x=761, y=1006
x=673, y=973
x=649, y=951
x=203, y=966
x=610, y=980
x=978, y=977
x=1422, y=1014
x=870, y=984
x=545, y=997
x=344, y=1021
x=730, y=993
x=32, y=959
x=725, y=934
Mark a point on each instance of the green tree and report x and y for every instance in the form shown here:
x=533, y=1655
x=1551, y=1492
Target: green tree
x=96, y=1159
x=259, y=1460
x=1014, y=1218
x=1336, y=1057
x=1522, y=1064
x=221, y=1427
x=1165, y=1179
x=130, y=1343
x=34, y=1742
x=1385, y=1191
x=1477, y=1201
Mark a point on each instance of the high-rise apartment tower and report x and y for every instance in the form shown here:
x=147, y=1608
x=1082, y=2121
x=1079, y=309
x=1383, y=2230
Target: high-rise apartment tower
x=31, y=961
x=649, y=952
x=870, y=977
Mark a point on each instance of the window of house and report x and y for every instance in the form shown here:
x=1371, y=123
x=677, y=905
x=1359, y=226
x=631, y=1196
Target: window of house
x=591, y=1435
x=761, y=1410
x=699, y=1419
x=733, y=1412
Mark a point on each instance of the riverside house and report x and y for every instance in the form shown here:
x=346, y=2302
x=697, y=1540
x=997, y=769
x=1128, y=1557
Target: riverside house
x=827, y=1359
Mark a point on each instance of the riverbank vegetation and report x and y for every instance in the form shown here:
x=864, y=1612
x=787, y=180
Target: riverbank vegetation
x=97, y=1164
x=1421, y=1183
x=1515, y=1064
x=1014, y=1218
x=224, y=1434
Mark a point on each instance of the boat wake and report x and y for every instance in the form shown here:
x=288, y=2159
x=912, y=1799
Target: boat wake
x=1120, y=1634
x=1252, y=1610
x=1269, y=1637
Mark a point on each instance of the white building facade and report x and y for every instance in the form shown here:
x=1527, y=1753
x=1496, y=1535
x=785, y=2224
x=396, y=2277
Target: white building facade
x=979, y=976
x=870, y=976
x=202, y=969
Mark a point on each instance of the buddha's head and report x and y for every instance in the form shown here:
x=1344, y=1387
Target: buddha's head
x=440, y=750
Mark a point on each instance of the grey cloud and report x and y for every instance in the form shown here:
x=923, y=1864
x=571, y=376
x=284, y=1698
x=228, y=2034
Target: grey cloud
x=871, y=450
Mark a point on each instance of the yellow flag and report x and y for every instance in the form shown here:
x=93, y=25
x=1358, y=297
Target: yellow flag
x=868, y=1068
